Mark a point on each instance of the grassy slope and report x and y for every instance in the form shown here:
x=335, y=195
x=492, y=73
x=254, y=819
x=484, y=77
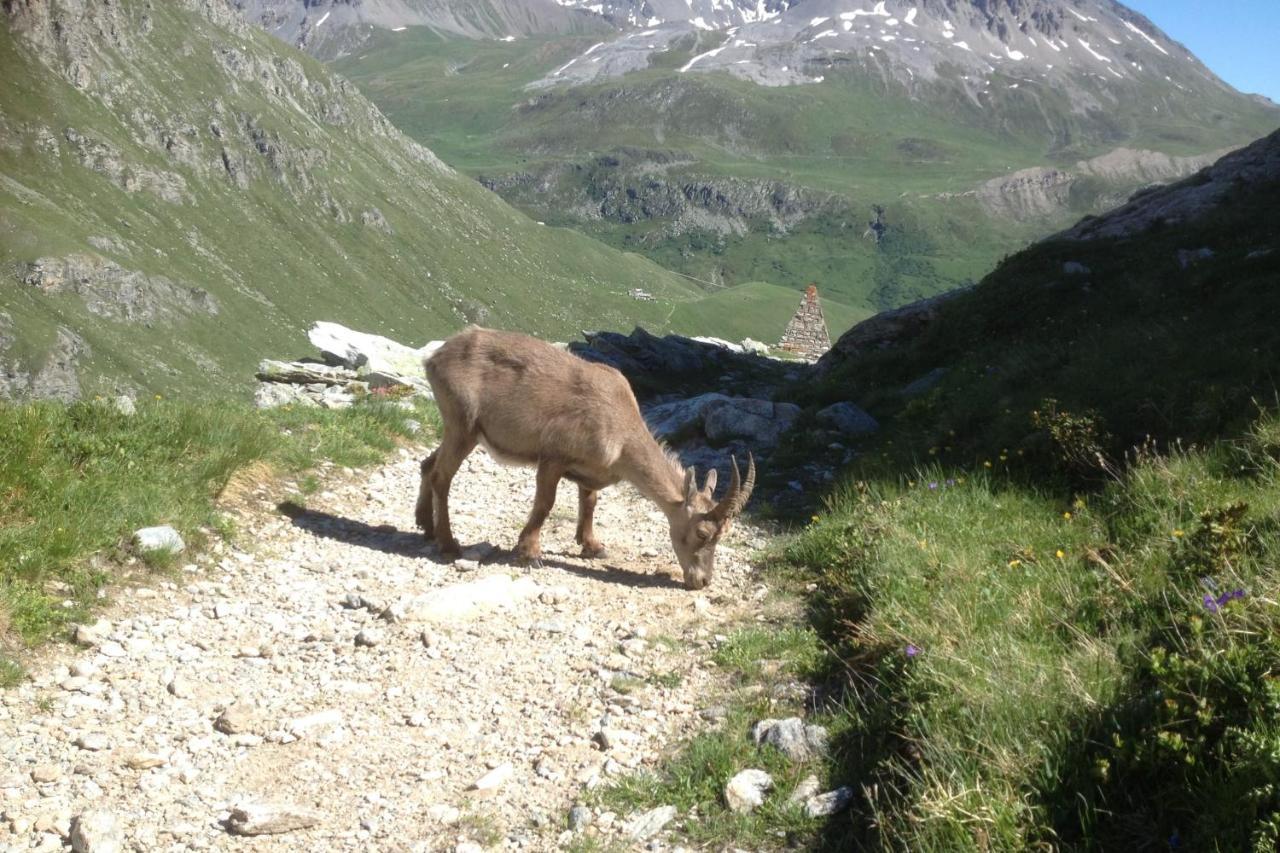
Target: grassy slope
x=1022, y=647
x=274, y=254
x=755, y=310
x=868, y=144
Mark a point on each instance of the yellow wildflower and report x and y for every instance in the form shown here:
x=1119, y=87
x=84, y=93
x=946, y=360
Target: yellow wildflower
x=1061, y=553
x=1178, y=534
x=1066, y=516
x=1013, y=564
x=986, y=464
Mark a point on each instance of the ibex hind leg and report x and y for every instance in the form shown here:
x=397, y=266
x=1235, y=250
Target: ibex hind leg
x=448, y=458
x=422, y=513
x=586, y=535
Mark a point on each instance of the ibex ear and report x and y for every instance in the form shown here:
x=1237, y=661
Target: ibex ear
x=710, y=487
x=690, y=485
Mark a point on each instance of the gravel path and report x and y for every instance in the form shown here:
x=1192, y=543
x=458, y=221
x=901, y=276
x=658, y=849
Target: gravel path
x=333, y=680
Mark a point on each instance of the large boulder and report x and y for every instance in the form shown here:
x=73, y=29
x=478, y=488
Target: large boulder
x=371, y=353
x=848, y=419
x=759, y=422
x=887, y=329
x=720, y=419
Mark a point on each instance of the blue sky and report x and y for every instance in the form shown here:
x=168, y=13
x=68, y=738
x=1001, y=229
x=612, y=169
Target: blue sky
x=1238, y=39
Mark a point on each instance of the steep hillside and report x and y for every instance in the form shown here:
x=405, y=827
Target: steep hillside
x=763, y=144
x=1154, y=320
x=182, y=193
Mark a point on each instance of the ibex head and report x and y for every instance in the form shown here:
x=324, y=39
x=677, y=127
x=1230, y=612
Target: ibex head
x=699, y=522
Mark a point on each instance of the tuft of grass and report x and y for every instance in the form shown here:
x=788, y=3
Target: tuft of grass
x=76, y=481
x=1030, y=668
x=751, y=651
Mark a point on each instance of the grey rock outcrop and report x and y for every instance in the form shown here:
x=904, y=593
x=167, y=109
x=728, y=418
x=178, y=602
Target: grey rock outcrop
x=1188, y=199
x=110, y=291
x=720, y=418
x=848, y=419
x=356, y=364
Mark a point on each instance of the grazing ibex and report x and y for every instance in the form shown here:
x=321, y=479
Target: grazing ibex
x=532, y=404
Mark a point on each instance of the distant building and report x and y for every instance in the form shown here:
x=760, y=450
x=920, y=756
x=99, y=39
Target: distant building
x=806, y=334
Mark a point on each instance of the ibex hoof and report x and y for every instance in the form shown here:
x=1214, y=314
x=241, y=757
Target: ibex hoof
x=450, y=550
x=593, y=550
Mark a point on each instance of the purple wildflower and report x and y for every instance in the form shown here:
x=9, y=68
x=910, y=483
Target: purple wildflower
x=1210, y=604
x=933, y=486
x=912, y=651
x=951, y=482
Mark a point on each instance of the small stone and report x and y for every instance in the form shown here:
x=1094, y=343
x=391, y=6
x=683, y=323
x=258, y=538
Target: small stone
x=144, y=760
x=832, y=802
x=158, y=539
x=791, y=737
x=649, y=824
x=237, y=719
x=112, y=649
x=93, y=742
x=369, y=637
x=495, y=778
x=443, y=814
x=745, y=791
x=270, y=819
x=92, y=635
x=96, y=832
x=45, y=773
x=464, y=565
x=808, y=787
x=467, y=847
x=579, y=817
x=417, y=720
x=180, y=687
x=299, y=726
x=83, y=669
x=605, y=739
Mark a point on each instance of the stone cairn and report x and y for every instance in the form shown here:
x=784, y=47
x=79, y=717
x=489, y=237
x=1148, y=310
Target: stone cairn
x=806, y=334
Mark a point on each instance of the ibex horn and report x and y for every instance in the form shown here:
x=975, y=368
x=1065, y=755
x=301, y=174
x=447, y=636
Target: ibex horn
x=739, y=493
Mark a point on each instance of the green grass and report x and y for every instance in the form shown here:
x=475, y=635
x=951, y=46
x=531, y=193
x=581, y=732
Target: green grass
x=756, y=310
x=76, y=481
x=695, y=776
x=1067, y=684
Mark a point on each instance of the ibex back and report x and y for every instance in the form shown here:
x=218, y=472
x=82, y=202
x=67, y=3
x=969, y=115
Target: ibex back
x=532, y=404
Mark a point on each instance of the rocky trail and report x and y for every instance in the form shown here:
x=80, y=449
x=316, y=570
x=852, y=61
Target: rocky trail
x=327, y=683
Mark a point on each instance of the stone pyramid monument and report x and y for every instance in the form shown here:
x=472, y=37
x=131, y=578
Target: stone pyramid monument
x=806, y=334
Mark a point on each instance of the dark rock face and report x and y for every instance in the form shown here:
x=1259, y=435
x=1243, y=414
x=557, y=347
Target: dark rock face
x=886, y=329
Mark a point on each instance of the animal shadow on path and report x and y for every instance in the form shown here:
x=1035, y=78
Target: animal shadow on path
x=403, y=543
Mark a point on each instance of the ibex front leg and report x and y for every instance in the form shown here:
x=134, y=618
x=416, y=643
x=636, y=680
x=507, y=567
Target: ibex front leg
x=422, y=514
x=586, y=535
x=529, y=548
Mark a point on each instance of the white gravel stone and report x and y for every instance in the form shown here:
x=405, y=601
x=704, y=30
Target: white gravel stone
x=495, y=778
x=745, y=791
x=96, y=832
